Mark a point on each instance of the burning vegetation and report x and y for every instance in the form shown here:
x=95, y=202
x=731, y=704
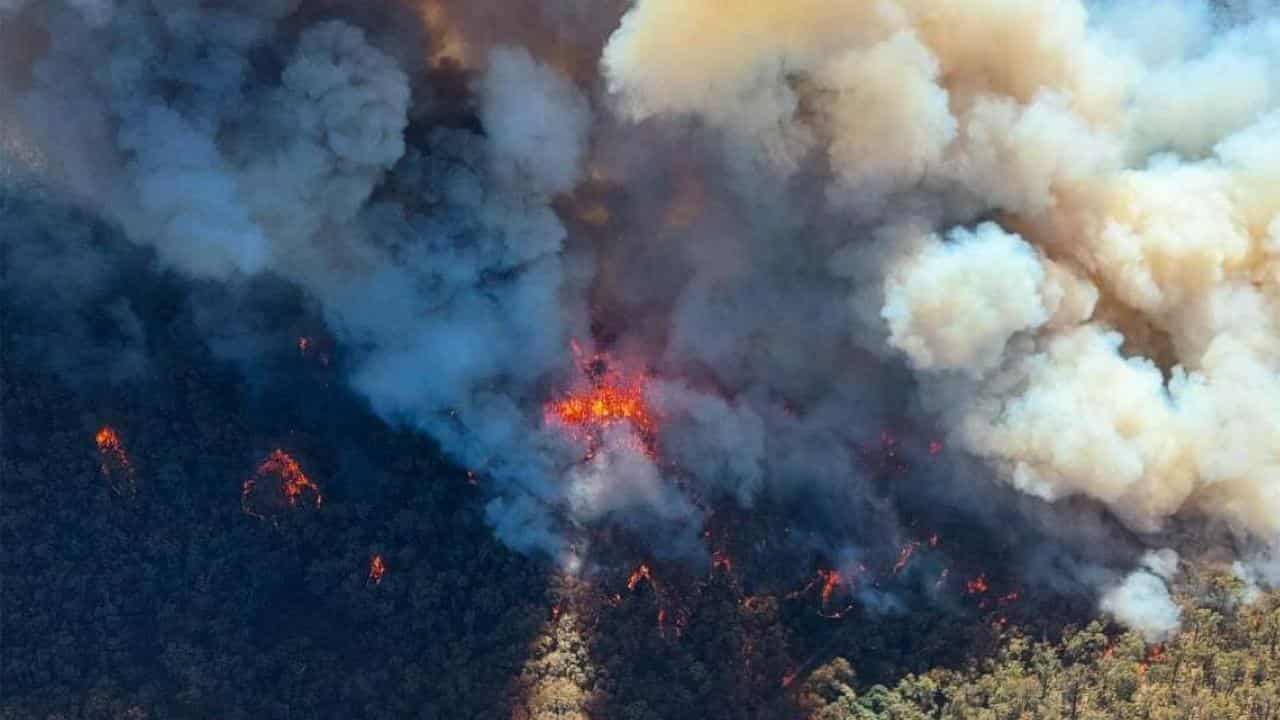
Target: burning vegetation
x=293, y=486
x=377, y=569
x=603, y=396
x=114, y=462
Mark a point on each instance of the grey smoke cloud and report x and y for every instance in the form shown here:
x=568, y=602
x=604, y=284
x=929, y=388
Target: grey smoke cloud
x=1038, y=231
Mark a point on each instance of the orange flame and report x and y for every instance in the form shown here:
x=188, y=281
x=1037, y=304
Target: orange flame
x=904, y=556
x=640, y=573
x=294, y=483
x=830, y=581
x=721, y=561
x=377, y=568
x=977, y=585
x=114, y=461
x=603, y=398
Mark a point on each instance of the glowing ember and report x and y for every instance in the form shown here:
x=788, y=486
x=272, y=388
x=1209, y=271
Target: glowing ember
x=604, y=396
x=640, y=573
x=904, y=556
x=114, y=461
x=830, y=581
x=977, y=585
x=293, y=482
x=377, y=568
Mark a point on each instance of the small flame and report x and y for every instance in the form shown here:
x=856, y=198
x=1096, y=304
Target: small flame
x=830, y=581
x=640, y=573
x=114, y=461
x=904, y=556
x=294, y=483
x=377, y=568
x=977, y=585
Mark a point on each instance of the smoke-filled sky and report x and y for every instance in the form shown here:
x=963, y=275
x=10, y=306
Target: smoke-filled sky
x=1041, y=234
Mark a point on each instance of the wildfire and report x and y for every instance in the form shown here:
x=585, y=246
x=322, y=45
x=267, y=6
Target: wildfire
x=643, y=573
x=377, y=568
x=721, y=561
x=604, y=397
x=977, y=585
x=114, y=461
x=294, y=483
x=640, y=573
x=904, y=556
x=830, y=581
x=1155, y=653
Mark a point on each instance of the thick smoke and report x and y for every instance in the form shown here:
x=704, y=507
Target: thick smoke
x=1109, y=332
x=1040, y=234
x=1142, y=600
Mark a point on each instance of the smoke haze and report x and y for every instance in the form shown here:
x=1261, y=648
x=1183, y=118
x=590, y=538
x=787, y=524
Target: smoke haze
x=1029, y=248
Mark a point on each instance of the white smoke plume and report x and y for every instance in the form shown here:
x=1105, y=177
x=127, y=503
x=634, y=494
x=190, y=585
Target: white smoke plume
x=1109, y=332
x=1039, y=233
x=1141, y=601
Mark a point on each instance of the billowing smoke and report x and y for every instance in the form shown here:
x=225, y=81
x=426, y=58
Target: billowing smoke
x=1024, y=251
x=1142, y=600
